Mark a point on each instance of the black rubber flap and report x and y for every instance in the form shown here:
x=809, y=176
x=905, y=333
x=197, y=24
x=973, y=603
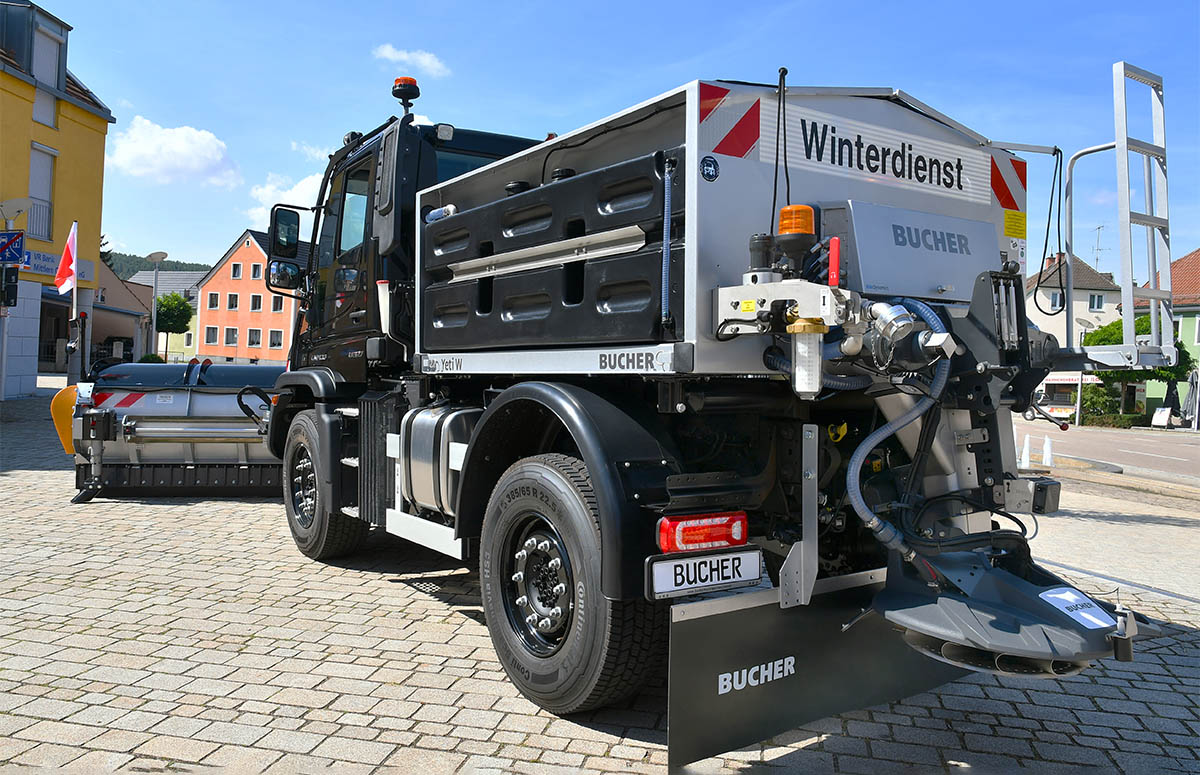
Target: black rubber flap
x=792, y=665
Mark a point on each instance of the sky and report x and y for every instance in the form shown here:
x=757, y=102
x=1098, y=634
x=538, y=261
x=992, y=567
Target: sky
x=224, y=108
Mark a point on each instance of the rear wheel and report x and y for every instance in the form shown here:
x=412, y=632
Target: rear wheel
x=563, y=644
x=318, y=528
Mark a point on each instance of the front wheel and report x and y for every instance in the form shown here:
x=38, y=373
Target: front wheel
x=319, y=529
x=564, y=645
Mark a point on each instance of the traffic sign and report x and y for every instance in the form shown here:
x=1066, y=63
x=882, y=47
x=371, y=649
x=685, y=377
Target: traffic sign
x=12, y=247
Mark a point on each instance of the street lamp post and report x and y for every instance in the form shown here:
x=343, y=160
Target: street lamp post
x=156, y=258
x=1085, y=325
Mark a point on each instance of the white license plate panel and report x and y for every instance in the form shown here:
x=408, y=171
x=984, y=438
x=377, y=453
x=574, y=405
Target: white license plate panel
x=684, y=574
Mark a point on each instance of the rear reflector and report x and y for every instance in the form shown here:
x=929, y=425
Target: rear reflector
x=702, y=531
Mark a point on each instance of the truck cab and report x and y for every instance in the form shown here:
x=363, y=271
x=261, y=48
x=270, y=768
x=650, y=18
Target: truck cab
x=363, y=235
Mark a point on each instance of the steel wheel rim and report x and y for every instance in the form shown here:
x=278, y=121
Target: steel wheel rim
x=304, y=486
x=538, y=584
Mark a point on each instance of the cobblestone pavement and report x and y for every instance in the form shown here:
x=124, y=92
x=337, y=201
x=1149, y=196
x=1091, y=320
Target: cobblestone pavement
x=187, y=634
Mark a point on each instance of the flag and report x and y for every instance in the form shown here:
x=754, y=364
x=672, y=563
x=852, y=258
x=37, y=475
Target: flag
x=65, y=279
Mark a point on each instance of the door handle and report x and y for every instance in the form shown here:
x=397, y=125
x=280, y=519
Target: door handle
x=356, y=317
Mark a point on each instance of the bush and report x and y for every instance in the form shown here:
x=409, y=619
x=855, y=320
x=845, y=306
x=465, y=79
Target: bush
x=1101, y=399
x=151, y=358
x=1116, y=420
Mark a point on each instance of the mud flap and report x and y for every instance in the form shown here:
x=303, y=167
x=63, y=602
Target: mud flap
x=742, y=669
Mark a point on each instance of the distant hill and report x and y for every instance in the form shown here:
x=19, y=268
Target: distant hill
x=126, y=265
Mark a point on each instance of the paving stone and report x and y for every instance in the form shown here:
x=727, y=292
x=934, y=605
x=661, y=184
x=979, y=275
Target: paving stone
x=176, y=748
x=59, y=732
x=348, y=749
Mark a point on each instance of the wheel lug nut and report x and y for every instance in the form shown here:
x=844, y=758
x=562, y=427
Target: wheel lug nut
x=518, y=577
x=555, y=613
x=559, y=589
x=521, y=555
x=544, y=625
x=531, y=620
x=522, y=600
x=544, y=546
x=554, y=564
x=531, y=543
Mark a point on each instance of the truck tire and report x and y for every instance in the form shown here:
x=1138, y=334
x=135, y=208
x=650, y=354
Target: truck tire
x=318, y=528
x=562, y=643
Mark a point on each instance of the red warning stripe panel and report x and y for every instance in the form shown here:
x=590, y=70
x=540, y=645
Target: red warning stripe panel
x=743, y=136
x=710, y=98
x=1019, y=166
x=99, y=398
x=1000, y=189
x=129, y=400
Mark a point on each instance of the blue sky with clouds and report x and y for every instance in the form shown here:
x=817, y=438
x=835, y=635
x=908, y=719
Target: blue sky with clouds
x=224, y=108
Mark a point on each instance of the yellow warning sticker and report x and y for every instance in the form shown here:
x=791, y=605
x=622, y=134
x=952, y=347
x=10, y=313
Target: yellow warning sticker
x=1014, y=224
x=748, y=305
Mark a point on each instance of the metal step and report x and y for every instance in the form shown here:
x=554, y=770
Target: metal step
x=347, y=411
x=1146, y=149
x=350, y=511
x=350, y=461
x=1151, y=293
x=1152, y=221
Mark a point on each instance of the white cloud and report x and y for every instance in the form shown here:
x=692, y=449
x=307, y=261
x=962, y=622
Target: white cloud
x=313, y=152
x=279, y=189
x=171, y=155
x=422, y=60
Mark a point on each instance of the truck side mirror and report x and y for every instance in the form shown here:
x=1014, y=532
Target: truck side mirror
x=284, y=238
x=284, y=275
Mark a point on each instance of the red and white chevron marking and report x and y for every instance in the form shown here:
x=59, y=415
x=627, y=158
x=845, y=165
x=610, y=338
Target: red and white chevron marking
x=125, y=401
x=1008, y=182
x=728, y=125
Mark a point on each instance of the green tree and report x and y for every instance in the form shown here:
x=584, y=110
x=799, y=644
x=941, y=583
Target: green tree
x=1113, y=334
x=105, y=251
x=174, y=313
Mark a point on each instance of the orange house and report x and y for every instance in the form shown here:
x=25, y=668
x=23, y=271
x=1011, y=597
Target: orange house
x=238, y=319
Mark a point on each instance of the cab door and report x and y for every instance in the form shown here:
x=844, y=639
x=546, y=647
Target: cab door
x=340, y=316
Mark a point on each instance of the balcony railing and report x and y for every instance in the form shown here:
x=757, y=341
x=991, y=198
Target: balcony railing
x=41, y=215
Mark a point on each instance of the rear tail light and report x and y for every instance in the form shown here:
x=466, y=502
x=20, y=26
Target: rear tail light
x=702, y=531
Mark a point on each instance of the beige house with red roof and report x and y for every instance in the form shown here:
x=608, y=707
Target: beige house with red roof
x=1096, y=301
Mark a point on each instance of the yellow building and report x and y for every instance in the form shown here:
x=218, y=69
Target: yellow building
x=52, y=134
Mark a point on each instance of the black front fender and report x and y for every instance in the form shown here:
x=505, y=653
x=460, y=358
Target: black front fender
x=613, y=445
x=299, y=389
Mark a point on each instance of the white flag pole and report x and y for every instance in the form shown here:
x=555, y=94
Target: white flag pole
x=75, y=304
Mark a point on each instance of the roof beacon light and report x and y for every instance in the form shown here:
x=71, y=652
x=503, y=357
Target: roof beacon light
x=702, y=531
x=796, y=219
x=406, y=90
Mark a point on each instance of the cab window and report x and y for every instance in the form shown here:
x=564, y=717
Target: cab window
x=354, y=212
x=329, y=224
x=451, y=164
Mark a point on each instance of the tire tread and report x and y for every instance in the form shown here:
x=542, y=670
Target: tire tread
x=636, y=632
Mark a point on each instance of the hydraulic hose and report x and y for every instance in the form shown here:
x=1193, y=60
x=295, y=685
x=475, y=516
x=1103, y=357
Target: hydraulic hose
x=776, y=360
x=885, y=532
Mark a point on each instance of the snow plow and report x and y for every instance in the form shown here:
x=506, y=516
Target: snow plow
x=153, y=429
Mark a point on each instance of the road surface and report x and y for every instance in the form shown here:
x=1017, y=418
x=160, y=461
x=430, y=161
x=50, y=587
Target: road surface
x=1172, y=453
